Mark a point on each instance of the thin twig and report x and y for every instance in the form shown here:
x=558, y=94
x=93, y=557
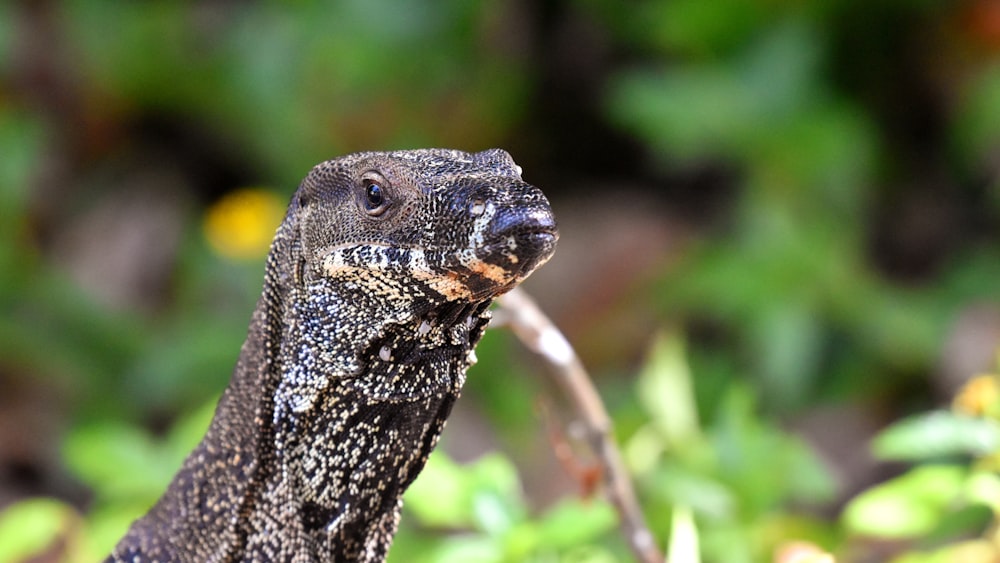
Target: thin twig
x=520, y=313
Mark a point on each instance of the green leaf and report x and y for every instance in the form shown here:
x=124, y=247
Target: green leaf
x=686, y=113
x=643, y=450
x=22, y=144
x=575, y=522
x=118, y=461
x=496, y=473
x=763, y=465
x=978, y=118
x=984, y=487
x=485, y=494
x=705, y=496
x=937, y=434
x=439, y=496
x=29, y=527
x=461, y=549
x=492, y=514
x=698, y=27
x=496, y=495
x=683, y=537
x=909, y=506
x=788, y=344
x=665, y=390
x=723, y=109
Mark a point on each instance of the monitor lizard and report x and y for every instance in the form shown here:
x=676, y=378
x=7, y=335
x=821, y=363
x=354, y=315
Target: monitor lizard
x=377, y=288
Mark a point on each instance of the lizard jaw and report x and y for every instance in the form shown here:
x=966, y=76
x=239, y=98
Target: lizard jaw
x=502, y=251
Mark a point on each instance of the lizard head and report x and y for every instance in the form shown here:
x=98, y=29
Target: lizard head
x=463, y=226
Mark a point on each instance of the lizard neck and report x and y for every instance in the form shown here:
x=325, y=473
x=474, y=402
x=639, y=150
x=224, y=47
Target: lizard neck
x=364, y=385
x=226, y=473
x=384, y=348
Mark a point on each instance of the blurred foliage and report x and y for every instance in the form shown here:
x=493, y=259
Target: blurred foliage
x=732, y=476
x=805, y=157
x=833, y=165
x=947, y=506
x=482, y=504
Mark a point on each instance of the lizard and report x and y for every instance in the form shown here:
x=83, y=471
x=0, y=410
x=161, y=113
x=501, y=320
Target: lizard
x=377, y=289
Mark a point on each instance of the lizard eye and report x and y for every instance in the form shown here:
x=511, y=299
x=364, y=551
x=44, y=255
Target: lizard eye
x=375, y=201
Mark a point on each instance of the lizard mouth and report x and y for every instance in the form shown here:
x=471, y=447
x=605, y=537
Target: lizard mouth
x=522, y=252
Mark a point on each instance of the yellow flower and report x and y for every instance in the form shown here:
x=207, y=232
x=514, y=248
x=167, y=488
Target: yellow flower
x=979, y=396
x=242, y=223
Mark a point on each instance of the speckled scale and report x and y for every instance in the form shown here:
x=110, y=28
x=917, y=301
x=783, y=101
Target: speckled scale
x=355, y=355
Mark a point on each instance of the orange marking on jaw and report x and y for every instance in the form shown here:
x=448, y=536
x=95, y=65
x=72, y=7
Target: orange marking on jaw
x=491, y=271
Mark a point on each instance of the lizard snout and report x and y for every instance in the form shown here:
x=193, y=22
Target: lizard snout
x=520, y=239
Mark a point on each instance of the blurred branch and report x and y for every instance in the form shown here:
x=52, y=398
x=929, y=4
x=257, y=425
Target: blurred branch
x=536, y=331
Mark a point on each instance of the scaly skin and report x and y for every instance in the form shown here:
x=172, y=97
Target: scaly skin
x=373, y=300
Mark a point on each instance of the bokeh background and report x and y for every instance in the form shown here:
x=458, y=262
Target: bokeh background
x=779, y=258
